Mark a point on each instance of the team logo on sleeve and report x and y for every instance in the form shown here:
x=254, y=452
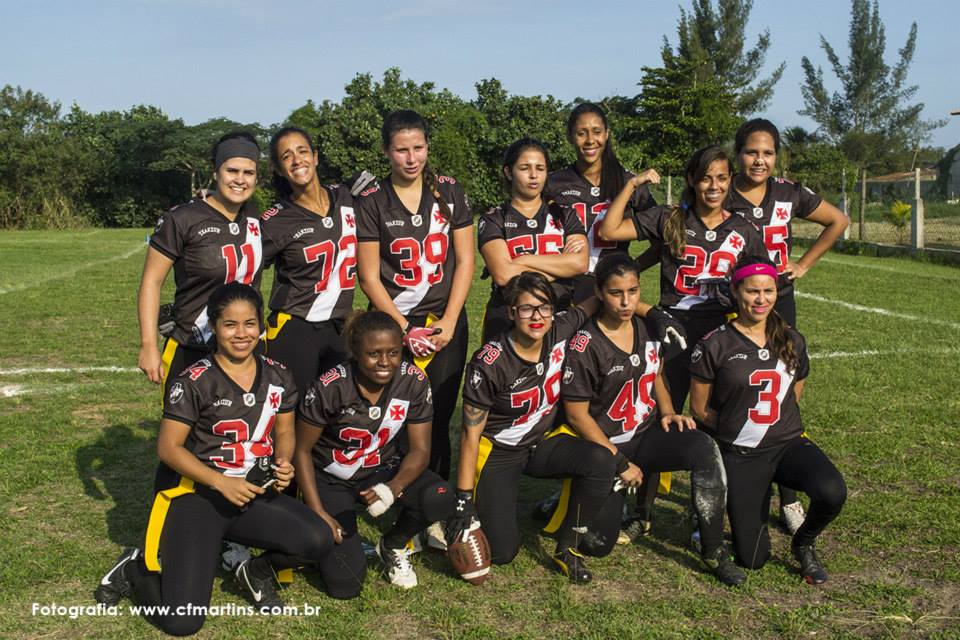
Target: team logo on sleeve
x=697, y=353
x=567, y=375
x=156, y=229
x=710, y=235
x=249, y=399
x=763, y=354
x=176, y=393
x=234, y=228
x=374, y=413
x=416, y=220
x=481, y=224
x=476, y=379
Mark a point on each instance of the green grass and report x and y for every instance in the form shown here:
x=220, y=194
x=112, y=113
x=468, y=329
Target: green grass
x=77, y=458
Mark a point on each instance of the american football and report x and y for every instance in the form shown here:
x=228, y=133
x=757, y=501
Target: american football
x=470, y=555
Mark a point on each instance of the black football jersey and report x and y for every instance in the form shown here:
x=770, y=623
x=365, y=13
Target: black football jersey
x=416, y=249
x=315, y=257
x=618, y=385
x=357, y=436
x=543, y=234
x=207, y=250
x=521, y=396
x=709, y=253
x=232, y=428
x=569, y=188
x=753, y=392
x=783, y=201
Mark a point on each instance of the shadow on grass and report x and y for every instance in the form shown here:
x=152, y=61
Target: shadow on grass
x=119, y=466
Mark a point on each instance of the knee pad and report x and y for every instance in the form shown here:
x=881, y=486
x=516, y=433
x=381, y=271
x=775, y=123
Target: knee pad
x=436, y=501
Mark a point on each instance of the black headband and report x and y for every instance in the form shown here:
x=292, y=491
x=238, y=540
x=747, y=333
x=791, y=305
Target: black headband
x=235, y=148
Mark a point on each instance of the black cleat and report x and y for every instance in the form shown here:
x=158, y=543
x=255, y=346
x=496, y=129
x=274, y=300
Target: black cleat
x=810, y=567
x=115, y=585
x=263, y=591
x=632, y=529
x=571, y=564
x=720, y=565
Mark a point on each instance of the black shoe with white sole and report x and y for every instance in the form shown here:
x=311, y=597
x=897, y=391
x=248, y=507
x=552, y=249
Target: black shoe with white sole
x=263, y=591
x=810, y=567
x=115, y=584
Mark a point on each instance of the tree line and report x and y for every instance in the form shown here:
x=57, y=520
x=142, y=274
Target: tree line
x=67, y=168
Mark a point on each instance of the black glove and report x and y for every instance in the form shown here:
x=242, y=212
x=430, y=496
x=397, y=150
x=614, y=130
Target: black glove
x=463, y=513
x=165, y=322
x=670, y=330
x=717, y=289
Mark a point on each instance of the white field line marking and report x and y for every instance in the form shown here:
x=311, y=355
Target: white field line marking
x=878, y=352
x=30, y=370
x=878, y=310
x=11, y=390
x=67, y=274
x=876, y=267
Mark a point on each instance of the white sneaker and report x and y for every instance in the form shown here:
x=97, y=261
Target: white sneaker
x=792, y=516
x=396, y=564
x=435, y=537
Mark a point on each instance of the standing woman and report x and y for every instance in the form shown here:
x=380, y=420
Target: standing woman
x=228, y=435
x=528, y=233
x=363, y=437
x=772, y=204
x=510, y=403
x=415, y=259
x=310, y=236
x=207, y=242
x=614, y=395
x=748, y=377
x=700, y=242
x=591, y=183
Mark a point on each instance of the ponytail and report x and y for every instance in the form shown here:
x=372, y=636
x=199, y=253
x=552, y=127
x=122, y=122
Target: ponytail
x=781, y=342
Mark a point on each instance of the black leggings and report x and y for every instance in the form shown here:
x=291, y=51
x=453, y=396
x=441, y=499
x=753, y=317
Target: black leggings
x=307, y=348
x=786, y=306
x=799, y=464
x=444, y=373
x=590, y=465
x=427, y=499
x=193, y=530
x=658, y=450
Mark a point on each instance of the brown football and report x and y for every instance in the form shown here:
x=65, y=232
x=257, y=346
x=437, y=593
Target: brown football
x=470, y=556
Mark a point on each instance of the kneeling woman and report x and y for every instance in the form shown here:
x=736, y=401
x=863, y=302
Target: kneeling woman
x=510, y=400
x=748, y=376
x=226, y=419
x=614, y=395
x=353, y=423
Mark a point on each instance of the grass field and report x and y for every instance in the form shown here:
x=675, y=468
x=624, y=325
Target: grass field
x=77, y=458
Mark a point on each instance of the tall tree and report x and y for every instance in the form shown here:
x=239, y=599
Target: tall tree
x=870, y=117
x=711, y=41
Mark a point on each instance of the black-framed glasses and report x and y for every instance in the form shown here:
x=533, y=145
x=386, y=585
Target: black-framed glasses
x=525, y=311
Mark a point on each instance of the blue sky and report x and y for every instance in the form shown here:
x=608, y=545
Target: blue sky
x=257, y=61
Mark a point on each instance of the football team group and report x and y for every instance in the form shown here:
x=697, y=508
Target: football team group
x=276, y=431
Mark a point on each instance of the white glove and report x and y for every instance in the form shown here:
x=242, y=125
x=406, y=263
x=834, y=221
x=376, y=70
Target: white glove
x=383, y=502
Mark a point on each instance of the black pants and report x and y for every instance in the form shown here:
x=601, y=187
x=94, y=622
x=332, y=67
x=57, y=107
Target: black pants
x=307, y=348
x=799, y=464
x=445, y=372
x=786, y=307
x=590, y=465
x=658, y=450
x=195, y=525
x=427, y=499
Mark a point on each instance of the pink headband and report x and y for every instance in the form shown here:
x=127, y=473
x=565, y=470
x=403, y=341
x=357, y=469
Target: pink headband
x=758, y=269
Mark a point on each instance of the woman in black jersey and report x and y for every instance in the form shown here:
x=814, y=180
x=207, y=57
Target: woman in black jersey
x=310, y=237
x=613, y=394
x=591, y=183
x=748, y=377
x=228, y=434
x=528, y=233
x=510, y=403
x=773, y=204
x=416, y=260
x=207, y=241
x=363, y=437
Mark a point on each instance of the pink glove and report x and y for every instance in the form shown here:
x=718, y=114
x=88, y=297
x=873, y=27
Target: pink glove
x=418, y=342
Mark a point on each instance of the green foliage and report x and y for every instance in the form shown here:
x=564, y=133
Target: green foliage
x=899, y=216
x=711, y=43
x=819, y=165
x=871, y=116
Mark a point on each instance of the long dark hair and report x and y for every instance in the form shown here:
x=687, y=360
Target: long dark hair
x=399, y=120
x=226, y=294
x=515, y=150
x=361, y=323
x=780, y=339
x=280, y=184
x=674, y=229
x=611, y=171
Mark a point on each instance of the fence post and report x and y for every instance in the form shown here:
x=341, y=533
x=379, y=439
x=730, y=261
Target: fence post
x=916, y=214
x=863, y=204
x=669, y=190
